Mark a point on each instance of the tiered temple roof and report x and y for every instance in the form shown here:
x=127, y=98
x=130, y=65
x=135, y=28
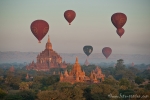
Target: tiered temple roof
x=47, y=59
x=78, y=75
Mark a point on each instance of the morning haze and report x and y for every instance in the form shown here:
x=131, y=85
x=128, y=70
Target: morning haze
x=92, y=26
x=62, y=66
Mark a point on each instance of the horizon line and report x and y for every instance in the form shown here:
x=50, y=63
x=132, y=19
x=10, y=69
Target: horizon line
x=74, y=52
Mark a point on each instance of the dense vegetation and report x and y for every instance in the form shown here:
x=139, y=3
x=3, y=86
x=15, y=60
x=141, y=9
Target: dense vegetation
x=121, y=82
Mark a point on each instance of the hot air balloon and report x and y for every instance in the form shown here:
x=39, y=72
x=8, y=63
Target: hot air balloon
x=106, y=51
x=69, y=16
x=87, y=50
x=39, y=28
x=120, y=32
x=118, y=20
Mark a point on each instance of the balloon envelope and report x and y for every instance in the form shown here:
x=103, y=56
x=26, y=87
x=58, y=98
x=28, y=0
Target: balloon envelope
x=69, y=16
x=120, y=32
x=87, y=50
x=106, y=51
x=39, y=28
x=118, y=20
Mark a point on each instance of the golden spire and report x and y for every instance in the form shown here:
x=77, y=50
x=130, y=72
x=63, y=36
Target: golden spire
x=76, y=60
x=48, y=39
x=48, y=44
x=76, y=68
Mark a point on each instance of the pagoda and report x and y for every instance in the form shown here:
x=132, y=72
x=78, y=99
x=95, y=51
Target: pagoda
x=86, y=62
x=27, y=76
x=98, y=73
x=47, y=59
x=12, y=69
x=78, y=75
x=132, y=64
x=148, y=68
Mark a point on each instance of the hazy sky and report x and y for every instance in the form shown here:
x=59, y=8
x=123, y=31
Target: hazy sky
x=92, y=25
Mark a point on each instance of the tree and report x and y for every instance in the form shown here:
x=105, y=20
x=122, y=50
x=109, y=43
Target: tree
x=139, y=80
x=122, y=72
x=148, y=77
x=48, y=95
x=147, y=87
x=144, y=74
x=124, y=84
x=120, y=65
x=1, y=71
x=111, y=81
x=66, y=93
x=142, y=94
x=24, y=86
x=50, y=80
x=13, y=97
x=27, y=95
x=87, y=93
x=126, y=93
x=22, y=95
x=36, y=86
x=2, y=94
x=1, y=79
x=59, y=85
x=134, y=70
x=101, y=91
x=71, y=93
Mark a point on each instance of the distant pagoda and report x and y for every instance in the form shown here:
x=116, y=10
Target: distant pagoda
x=47, y=59
x=98, y=73
x=148, y=68
x=12, y=69
x=132, y=64
x=27, y=76
x=86, y=62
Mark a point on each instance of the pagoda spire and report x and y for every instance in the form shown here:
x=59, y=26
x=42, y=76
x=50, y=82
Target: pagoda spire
x=48, y=41
x=48, y=44
x=76, y=60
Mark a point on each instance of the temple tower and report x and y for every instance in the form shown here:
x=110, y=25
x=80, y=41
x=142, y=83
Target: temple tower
x=47, y=59
x=48, y=44
x=76, y=68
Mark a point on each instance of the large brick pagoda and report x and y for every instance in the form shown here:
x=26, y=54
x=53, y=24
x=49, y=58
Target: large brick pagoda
x=47, y=59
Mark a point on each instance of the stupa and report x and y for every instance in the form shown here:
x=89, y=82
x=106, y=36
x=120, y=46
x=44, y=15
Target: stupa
x=78, y=75
x=47, y=59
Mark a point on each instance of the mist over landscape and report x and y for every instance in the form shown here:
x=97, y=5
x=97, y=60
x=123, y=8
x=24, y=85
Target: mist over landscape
x=94, y=58
x=75, y=50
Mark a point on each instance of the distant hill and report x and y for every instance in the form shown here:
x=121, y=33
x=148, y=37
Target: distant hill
x=94, y=58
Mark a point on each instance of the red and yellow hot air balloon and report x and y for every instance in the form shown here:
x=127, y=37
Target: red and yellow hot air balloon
x=106, y=51
x=118, y=20
x=39, y=28
x=120, y=32
x=69, y=16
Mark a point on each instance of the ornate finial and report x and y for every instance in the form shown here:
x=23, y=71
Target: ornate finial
x=97, y=67
x=48, y=39
x=76, y=59
x=48, y=44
